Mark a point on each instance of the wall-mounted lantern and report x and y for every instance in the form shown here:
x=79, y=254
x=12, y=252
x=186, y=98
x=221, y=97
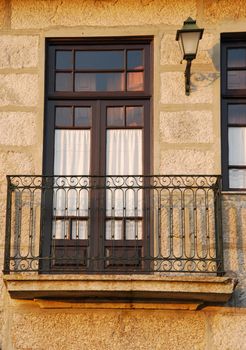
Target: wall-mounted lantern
x=188, y=37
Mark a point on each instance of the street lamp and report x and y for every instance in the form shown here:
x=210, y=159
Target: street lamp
x=188, y=37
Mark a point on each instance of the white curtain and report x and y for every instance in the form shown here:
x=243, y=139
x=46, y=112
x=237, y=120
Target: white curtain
x=124, y=157
x=72, y=157
x=237, y=156
x=72, y=152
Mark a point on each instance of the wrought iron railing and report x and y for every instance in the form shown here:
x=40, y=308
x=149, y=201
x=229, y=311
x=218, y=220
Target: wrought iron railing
x=113, y=224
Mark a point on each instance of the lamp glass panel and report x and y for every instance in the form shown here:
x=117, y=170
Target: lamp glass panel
x=190, y=42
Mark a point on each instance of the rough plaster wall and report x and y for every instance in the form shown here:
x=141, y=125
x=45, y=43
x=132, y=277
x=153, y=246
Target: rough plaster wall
x=186, y=139
x=31, y=328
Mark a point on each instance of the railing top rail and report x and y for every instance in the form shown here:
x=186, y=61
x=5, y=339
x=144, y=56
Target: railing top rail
x=114, y=181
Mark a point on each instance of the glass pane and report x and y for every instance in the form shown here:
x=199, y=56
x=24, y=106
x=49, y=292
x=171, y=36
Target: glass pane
x=134, y=201
x=83, y=116
x=237, y=178
x=134, y=116
x=59, y=201
x=115, y=116
x=64, y=116
x=99, y=82
x=237, y=146
x=134, y=229
x=79, y=229
x=135, y=59
x=64, y=60
x=114, y=229
x=135, y=81
x=236, y=57
x=236, y=79
x=72, y=152
x=237, y=114
x=64, y=82
x=115, y=200
x=99, y=60
x=124, y=152
x=190, y=42
x=60, y=229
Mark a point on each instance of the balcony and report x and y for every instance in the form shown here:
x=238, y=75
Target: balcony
x=122, y=228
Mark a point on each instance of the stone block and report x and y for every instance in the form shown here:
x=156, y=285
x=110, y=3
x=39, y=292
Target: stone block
x=228, y=331
x=108, y=329
x=26, y=14
x=18, y=51
x=16, y=163
x=17, y=128
x=171, y=53
x=223, y=10
x=186, y=127
x=234, y=220
x=173, y=88
x=187, y=161
x=18, y=89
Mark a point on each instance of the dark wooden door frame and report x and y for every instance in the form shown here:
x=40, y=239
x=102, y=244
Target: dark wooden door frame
x=97, y=99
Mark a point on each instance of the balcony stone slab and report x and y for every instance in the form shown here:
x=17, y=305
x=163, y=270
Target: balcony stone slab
x=196, y=290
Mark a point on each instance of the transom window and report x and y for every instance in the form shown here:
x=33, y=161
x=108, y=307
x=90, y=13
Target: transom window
x=99, y=68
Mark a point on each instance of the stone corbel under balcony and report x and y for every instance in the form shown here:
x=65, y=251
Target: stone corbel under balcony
x=180, y=292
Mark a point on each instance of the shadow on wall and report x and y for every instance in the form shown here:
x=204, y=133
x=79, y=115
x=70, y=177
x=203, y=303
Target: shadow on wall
x=204, y=79
x=233, y=229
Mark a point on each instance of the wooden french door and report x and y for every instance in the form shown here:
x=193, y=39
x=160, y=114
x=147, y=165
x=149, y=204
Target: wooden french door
x=97, y=142
x=96, y=210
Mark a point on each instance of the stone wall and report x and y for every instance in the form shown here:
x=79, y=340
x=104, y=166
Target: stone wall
x=186, y=140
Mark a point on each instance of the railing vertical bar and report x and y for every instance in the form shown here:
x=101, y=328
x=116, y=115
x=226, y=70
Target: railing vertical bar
x=171, y=223
x=218, y=229
x=159, y=222
x=8, y=228
x=196, y=225
x=182, y=205
x=31, y=224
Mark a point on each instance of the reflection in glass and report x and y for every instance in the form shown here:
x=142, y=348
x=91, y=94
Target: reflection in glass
x=135, y=81
x=64, y=116
x=237, y=146
x=134, y=59
x=237, y=114
x=64, y=60
x=99, y=82
x=236, y=79
x=237, y=178
x=134, y=116
x=236, y=57
x=64, y=82
x=115, y=116
x=97, y=60
x=82, y=116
